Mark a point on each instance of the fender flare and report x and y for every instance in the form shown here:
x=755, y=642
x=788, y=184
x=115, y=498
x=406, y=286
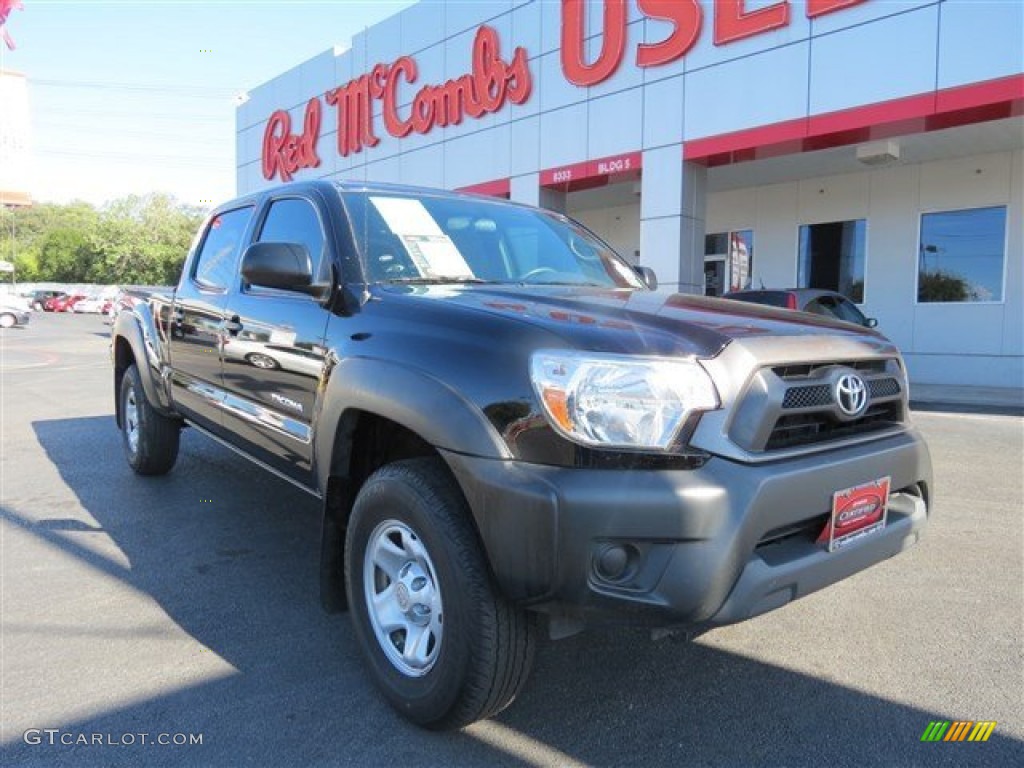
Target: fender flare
x=138, y=329
x=411, y=398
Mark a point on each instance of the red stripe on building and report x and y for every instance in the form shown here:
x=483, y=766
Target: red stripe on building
x=592, y=173
x=936, y=110
x=497, y=188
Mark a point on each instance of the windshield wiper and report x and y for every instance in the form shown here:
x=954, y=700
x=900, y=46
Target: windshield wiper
x=560, y=283
x=437, y=280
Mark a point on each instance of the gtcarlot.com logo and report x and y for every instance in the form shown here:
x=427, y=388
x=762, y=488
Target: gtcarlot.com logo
x=56, y=737
x=958, y=730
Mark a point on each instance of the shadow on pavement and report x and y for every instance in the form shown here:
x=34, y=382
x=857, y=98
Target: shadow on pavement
x=231, y=556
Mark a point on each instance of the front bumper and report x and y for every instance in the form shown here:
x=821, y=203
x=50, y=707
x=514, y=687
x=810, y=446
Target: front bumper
x=708, y=546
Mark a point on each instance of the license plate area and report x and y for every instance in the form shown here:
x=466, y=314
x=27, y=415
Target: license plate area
x=857, y=512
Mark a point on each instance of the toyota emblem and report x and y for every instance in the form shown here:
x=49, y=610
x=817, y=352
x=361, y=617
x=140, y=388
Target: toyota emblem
x=851, y=394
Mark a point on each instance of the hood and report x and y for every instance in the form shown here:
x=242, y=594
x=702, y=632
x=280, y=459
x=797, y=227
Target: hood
x=627, y=321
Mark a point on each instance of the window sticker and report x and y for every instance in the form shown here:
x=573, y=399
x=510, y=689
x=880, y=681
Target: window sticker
x=430, y=249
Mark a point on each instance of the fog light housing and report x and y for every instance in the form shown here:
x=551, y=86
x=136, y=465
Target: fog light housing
x=616, y=562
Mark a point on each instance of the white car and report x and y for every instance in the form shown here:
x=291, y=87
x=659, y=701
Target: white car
x=13, y=313
x=92, y=304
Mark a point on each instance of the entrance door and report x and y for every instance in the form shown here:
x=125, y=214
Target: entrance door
x=728, y=261
x=714, y=276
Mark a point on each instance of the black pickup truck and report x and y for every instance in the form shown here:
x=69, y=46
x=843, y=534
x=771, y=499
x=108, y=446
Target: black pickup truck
x=507, y=421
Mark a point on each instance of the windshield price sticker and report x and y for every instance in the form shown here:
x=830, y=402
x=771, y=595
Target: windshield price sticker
x=431, y=250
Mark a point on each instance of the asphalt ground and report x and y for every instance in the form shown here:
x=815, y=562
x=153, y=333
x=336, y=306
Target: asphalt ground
x=188, y=605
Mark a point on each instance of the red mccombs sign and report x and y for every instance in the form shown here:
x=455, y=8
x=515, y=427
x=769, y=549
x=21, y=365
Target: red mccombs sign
x=493, y=82
x=485, y=90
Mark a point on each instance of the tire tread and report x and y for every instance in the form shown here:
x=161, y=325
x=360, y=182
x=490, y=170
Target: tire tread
x=159, y=436
x=503, y=656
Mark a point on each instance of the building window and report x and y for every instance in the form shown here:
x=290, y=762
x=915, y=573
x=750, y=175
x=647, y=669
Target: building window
x=728, y=261
x=961, y=255
x=832, y=257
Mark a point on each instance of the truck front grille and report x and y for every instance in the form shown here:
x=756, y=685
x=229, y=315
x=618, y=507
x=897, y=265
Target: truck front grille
x=794, y=430
x=818, y=395
x=794, y=406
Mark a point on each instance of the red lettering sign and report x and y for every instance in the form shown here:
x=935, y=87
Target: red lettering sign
x=284, y=153
x=686, y=17
x=817, y=8
x=732, y=22
x=613, y=42
x=485, y=90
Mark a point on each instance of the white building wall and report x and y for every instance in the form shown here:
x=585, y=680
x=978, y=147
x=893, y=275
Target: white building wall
x=969, y=343
x=879, y=50
x=866, y=54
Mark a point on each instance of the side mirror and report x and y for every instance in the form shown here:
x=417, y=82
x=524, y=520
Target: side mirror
x=870, y=322
x=646, y=274
x=285, y=266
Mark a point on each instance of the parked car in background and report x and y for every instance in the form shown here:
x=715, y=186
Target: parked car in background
x=813, y=300
x=37, y=299
x=50, y=304
x=63, y=303
x=96, y=305
x=13, y=313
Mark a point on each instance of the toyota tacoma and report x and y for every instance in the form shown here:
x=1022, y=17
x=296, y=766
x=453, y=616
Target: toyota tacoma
x=509, y=426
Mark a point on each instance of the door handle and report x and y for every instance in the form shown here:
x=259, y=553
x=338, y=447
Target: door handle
x=233, y=326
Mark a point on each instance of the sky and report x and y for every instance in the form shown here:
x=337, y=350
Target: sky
x=138, y=96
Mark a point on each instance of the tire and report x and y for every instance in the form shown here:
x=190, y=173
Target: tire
x=476, y=649
x=150, y=439
x=265, y=362
x=8, y=321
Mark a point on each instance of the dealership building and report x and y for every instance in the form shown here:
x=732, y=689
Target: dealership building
x=874, y=147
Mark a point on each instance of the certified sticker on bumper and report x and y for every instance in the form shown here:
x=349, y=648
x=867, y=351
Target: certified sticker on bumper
x=857, y=512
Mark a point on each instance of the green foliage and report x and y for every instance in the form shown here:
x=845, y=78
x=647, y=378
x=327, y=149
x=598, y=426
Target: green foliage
x=943, y=286
x=134, y=240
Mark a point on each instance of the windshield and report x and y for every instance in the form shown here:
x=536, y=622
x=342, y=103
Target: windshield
x=421, y=238
x=847, y=310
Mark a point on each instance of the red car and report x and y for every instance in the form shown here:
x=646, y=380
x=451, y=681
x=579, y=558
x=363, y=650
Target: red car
x=50, y=304
x=63, y=303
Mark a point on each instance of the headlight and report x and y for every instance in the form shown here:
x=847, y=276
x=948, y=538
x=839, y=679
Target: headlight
x=617, y=401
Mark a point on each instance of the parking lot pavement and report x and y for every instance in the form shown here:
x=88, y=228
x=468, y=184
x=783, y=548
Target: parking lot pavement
x=188, y=605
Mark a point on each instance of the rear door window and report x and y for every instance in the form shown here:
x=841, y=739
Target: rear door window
x=217, y=260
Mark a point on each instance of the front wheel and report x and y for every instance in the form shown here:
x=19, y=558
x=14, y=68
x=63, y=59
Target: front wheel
x=150, y=439
x=8, y=321
x=442, y=644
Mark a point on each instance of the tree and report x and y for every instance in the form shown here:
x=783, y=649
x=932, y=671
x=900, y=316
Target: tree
x=943, y=286
x=136, y=239
x=66, y=255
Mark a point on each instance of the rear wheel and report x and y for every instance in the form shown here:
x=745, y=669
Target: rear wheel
x=150, y=439
x=442, y=644
x=265, y=362
x=8, y=321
